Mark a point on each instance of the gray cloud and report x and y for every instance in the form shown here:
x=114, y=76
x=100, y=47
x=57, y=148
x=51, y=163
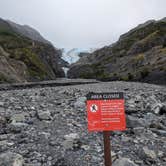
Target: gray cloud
x=82, y=23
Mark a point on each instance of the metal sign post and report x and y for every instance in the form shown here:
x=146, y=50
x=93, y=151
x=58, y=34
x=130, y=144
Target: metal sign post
x=107, y=148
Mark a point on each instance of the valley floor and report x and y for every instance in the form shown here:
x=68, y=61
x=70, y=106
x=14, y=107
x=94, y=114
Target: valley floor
x=48, y=126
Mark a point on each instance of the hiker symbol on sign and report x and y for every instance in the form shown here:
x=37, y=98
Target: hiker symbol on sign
x=94, y=108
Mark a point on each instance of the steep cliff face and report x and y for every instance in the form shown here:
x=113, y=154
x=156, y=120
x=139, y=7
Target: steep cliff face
x=138, y=55
x=23, y=58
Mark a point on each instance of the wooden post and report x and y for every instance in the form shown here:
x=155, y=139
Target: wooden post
x=107, y=148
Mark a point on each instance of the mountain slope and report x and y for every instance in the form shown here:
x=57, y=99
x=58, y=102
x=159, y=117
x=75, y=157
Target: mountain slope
x=24, y=59
x=27, y=31
x=138, y=55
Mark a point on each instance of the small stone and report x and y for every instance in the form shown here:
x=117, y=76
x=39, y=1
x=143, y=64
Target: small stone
x=32, y=108
x=135, y=141
x=2, y=110
x=85, y=147
x=159, y=132
x=156, y=108
x=80, y=103
x=5, y=143
x=50, y=158
x=149, y=153
x=126, y=139
x=17, y=127
x=1, y=104
x=72, y=136
x=3, y=121
x=3, y=137
x=19, y=118
x=45, y=134
x=133, y=122
x=52, y=143
x=68, y=144
x=160, y=154
x=139, y=130
x=70, y=141
x=44, y=115
x=114, y=156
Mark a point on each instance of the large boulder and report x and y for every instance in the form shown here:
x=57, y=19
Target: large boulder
x=11, y=159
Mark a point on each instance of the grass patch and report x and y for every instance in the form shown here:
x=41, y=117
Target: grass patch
x=4, y=79
x=138, y=58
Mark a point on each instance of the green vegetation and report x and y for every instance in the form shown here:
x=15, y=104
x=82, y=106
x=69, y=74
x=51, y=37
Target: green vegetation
x=99, y=71
x=36, y=68
x=144, y=72
x=150, y=30
x=86, y=75
x=4, y=79
x=20, y=48
x=150, y=38
x=130, y=76
x=138, y=58
x=6, y=33
x=10, y=40
x=163, y=50
x=133, y=57
x=127, y=77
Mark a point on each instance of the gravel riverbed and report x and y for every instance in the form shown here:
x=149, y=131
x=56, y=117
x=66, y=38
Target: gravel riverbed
x=48, y=126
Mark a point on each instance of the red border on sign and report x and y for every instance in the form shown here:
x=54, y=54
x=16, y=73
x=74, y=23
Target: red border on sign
x=106, y=115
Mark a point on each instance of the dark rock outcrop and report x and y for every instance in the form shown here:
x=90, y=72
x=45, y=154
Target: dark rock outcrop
x=138, y=55
x=26, y=56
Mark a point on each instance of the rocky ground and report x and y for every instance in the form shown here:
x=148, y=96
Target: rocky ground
x=48, y=127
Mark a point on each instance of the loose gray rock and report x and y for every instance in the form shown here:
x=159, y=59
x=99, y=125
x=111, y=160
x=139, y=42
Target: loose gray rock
x=11, y=159
x=2, y=120
x=19, y=117
x=133, y=122
x=44, y=115
x=1, y=104
x=72, y=136
x=70, y=140
x=156, y=108
x=80, y=103
x=17, y=127
x=149, y=153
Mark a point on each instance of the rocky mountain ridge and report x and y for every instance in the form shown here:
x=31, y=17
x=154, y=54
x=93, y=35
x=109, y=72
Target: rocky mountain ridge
x=138, y=55
x=27, y=31
x=26, y=56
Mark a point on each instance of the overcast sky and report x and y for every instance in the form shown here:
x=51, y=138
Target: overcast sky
x=82, y=23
